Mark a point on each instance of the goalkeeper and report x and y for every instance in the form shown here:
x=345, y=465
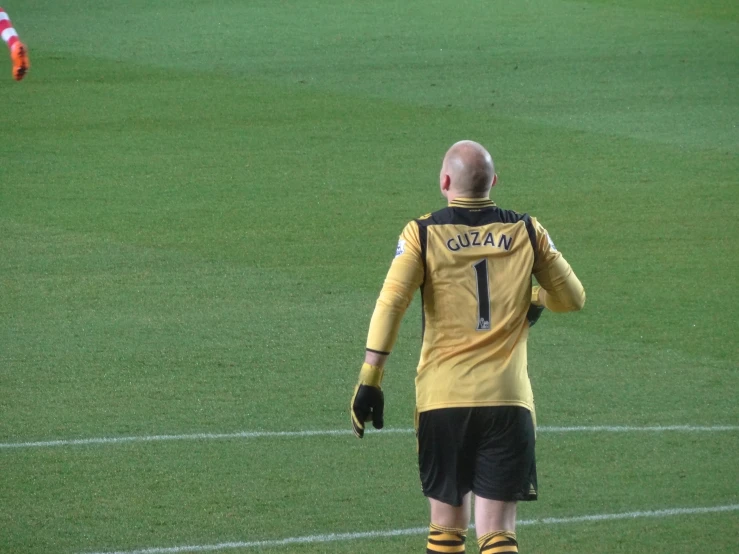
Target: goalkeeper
x=473, y=262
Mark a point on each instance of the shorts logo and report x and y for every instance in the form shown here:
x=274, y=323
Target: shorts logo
x=551, y=243
x=400, y=248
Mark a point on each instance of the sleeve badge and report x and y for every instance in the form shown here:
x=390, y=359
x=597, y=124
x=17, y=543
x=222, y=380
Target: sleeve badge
x=400, y=249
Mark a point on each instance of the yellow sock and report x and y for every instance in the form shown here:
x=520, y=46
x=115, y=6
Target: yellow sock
x=447, y=540
x=498, y=542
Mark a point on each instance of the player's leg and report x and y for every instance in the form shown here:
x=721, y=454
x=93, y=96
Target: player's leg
x=451, y=516
x=448, y=529
x=505, y=473
x=18, y=50
x=446, y=475
x=495, y=522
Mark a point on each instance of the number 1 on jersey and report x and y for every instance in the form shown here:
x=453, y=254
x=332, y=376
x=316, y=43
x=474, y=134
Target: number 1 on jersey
x=483, y=295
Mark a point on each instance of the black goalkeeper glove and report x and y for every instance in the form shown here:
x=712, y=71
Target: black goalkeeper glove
x=534, y=314
x=535, y=309
x=368, y=401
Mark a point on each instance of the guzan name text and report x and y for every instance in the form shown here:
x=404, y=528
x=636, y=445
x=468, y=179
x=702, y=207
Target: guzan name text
x=475, y=238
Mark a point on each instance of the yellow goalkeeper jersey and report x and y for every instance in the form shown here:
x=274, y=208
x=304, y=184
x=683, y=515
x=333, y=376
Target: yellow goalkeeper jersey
x=473, y=262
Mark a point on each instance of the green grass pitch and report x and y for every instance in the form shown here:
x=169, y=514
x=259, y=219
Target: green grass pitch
x=198, y=204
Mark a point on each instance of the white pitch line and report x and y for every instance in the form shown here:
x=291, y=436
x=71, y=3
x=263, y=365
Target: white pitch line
x=340, y=537
x=632, y=429
x=343, y=432
x=191, y=436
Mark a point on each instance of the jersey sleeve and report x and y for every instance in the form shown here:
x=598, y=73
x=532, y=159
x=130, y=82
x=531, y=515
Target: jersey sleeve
x=405, y=275
x=564, y=292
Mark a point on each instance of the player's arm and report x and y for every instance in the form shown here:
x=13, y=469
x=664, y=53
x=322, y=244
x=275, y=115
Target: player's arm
x=403, y=278
x=560, y=290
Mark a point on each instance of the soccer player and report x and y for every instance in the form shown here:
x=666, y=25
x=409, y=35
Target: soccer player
x=18, y=50
x=473, y=262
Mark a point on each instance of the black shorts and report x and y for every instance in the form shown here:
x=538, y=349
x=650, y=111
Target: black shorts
x=487, y=450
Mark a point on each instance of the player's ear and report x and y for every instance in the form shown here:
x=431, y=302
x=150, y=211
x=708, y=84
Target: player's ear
x=495, y=180
x=446, y=182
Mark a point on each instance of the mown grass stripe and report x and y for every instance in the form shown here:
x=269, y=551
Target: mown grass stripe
x=340, y=537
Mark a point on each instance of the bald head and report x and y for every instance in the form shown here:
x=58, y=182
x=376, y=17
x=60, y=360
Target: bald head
x=468, y=169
